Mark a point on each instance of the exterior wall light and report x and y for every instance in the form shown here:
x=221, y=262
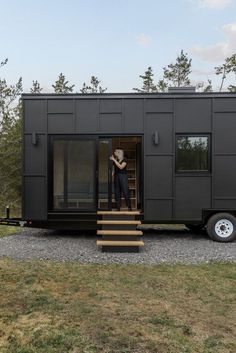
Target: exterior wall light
x=155, y=138
x=35, y=138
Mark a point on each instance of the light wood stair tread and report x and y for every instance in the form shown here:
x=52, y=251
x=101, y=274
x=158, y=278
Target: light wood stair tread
x=118, y=213
x=118, y=222
x=119, y=232
x=120, y=243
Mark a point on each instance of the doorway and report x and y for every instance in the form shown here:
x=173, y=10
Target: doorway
x=132, y=146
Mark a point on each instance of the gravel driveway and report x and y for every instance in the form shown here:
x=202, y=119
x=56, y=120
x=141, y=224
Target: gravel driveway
x=160, y=246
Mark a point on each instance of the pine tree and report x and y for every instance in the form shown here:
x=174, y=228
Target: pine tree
x=148, y=83
x=35, y=87
x=94, y=86
x=208, y=87
x=61, y=85
x=10, y=143
x=177, y=74
x=162, y=85
x=228, y=67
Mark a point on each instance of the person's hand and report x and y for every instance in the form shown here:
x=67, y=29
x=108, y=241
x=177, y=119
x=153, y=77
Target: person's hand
x=112, y=158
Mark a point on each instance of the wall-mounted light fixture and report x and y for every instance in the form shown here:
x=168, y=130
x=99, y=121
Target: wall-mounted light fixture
x=155, y=138
x=35, y=138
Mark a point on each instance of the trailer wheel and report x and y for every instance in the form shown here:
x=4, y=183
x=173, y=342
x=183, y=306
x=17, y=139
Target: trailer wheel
x=195, y=227
x=222, y=227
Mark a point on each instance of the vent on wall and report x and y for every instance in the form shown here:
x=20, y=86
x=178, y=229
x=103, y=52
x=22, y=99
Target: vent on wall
x=188, y=89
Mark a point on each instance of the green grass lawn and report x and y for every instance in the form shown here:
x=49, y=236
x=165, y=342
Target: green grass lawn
x=68, y=307
x=8, y=230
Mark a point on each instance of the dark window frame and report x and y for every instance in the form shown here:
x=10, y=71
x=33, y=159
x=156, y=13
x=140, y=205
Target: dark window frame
x=193, y=171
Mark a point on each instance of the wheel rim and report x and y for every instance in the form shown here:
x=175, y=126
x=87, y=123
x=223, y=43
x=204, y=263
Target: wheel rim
x=224, y=228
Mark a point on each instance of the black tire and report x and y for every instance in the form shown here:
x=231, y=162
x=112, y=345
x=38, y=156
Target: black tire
x=221, y=227
x=195, y=227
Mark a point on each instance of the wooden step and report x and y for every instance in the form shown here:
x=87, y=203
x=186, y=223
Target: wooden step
x=120, y=243
x=119, y=232
x=118, y=222
x=131, y=213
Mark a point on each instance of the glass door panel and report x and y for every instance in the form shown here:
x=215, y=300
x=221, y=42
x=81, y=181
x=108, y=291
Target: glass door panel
x=74, y=174
x=81, y=174
x=104, y=174
x=58, y=174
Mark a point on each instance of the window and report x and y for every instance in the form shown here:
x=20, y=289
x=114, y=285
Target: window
x=192, y=153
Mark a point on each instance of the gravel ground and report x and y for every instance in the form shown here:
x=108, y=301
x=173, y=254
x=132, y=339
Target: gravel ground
x=160, y=246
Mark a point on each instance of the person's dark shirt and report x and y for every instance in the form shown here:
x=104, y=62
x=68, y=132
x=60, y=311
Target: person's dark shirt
x=117, y=170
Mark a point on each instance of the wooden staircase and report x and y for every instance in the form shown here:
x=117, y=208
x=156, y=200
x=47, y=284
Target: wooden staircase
x=119, y=231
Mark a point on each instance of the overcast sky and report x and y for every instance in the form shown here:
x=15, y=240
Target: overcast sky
x=114, y=40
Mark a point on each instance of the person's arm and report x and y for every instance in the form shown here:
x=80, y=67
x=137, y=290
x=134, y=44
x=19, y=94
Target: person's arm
x=120, y=165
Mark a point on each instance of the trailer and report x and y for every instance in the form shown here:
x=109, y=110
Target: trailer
x=181, y=153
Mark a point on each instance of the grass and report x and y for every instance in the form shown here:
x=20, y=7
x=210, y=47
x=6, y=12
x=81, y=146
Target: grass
x=68, y=307
x=8, y=230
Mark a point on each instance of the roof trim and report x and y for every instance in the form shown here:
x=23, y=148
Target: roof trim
x=126, y=95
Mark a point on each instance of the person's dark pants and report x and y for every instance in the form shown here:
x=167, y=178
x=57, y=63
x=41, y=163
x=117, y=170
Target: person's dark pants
x=121, y=186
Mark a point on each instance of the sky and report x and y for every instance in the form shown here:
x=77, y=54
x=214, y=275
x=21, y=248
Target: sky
x=113, y=40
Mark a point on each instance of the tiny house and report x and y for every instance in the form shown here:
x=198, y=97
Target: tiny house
x=180, y=147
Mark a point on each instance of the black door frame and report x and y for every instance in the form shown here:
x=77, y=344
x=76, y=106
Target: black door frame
x=96, y=138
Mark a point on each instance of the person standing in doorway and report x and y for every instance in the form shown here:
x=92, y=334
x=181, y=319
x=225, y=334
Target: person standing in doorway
x=120, y=178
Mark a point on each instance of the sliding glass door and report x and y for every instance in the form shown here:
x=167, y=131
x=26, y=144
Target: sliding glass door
x=74, y=173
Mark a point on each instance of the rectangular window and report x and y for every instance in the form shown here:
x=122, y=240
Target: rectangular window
x=192, y=153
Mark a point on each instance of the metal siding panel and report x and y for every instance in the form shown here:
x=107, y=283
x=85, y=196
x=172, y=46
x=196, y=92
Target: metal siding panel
x=193, y=115
x=192, y=195
x=225, y=127
x=162, y=124
x=60, y=106
x=110, y=123
x=158, y=177
x=224, y=176
x=225, y=104
x=110, y=105
x=221, y=204
x=133, y=115
x=159, y=105
x=35, y=155
x=35, y=207
x=86, y=114
x=60, y=123
x=158, y=210
x=35, y=116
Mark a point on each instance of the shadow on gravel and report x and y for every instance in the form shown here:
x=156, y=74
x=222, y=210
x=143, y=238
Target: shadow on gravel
x=175, y=233
x=159, y=233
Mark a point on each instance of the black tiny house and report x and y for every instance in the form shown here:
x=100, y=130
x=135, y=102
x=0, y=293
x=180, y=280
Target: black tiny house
x=180, y=146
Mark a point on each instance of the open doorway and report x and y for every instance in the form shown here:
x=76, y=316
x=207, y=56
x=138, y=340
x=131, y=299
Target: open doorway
x=132, y=146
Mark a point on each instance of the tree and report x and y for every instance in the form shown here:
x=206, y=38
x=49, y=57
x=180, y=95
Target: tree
x=10, y=143
x=36, y=87
x=61, y=85
x=228, y=67
x=177, y=74
x=162, y=85
x=94, y=86
x=148, y=83
x=208, y=87
x=8, y=95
